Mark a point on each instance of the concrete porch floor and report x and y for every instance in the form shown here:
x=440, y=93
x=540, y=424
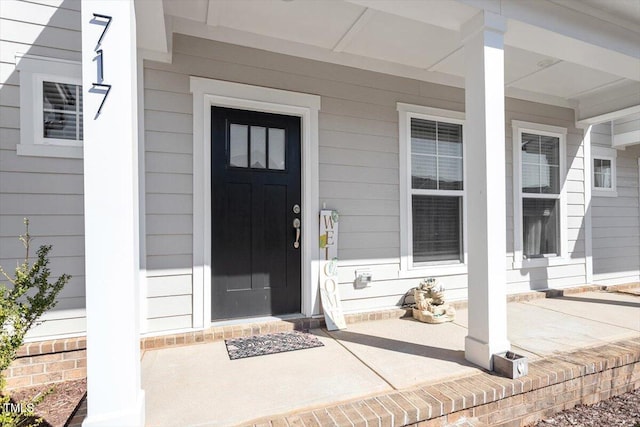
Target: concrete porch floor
x=198, y=385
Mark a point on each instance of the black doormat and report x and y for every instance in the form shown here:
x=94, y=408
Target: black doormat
x=239, y=348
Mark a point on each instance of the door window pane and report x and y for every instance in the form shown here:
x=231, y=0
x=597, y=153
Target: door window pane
x=437, y=234
x=238, y=145
x=276, y=149
x=540, y=227
x=258, y=147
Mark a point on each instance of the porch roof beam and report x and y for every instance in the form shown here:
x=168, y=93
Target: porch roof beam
x=540, y=26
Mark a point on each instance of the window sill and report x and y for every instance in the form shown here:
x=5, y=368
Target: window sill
x=545, y=262
x=601, y=192
x=433, y=270
x=60, y=151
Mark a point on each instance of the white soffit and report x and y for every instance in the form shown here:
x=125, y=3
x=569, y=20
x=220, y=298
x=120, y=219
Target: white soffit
x=624, y=13
x=518, y=64
x=443, y=13
x=195, y=10
x=397, y=39
x=317, y=23
x=566, y=80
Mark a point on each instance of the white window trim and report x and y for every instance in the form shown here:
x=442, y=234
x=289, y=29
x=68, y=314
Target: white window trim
x=519, y=262
x=208, y=93
x=604, y=153
x=407, y=270
x=33, y=71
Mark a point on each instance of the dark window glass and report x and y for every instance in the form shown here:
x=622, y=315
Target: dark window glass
x=437, y=228
x=540, y=227
x=62, y=111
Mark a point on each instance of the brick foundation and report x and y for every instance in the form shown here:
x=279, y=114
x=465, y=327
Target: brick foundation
x=48, y=362
x=556, y=383
x=65, y=359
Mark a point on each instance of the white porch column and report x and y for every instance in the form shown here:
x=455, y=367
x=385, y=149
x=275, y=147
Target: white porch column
x=111, y=214
x=485, y=139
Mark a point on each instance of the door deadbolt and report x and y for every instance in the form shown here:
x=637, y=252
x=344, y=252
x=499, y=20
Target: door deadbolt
x=296, y=209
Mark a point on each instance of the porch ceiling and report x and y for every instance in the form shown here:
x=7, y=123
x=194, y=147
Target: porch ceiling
x=421, y=39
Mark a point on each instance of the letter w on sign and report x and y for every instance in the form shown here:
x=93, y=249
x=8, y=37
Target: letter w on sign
x=329, y=295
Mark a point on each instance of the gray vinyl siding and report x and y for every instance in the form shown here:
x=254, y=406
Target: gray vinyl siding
x=574, y=272
x=616, y=220
x=49, y=191
x=359, y=161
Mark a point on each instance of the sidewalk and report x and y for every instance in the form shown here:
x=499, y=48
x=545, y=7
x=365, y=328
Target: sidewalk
x=199, y=386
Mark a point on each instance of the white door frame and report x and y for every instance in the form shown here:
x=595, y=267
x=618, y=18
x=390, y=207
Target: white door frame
x=208, y=93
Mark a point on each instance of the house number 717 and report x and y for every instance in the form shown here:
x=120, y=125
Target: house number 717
x=100, y=86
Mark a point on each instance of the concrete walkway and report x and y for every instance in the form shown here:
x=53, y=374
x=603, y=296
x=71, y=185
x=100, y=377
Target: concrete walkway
x=198, y=385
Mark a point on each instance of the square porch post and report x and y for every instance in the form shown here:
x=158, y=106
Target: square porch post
x=109, y=63
x=485, y=136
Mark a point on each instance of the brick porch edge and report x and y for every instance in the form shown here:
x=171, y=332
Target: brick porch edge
x=554, y=384
x=52, y=361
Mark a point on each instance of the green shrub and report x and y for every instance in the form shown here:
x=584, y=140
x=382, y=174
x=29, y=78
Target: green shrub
x=29, y=295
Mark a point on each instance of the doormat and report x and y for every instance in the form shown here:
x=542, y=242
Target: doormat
x=239, y=348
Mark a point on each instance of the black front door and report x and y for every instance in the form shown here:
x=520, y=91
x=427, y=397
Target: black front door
x=255, y=202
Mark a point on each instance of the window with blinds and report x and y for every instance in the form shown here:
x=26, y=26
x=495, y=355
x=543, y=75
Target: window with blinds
x=540, y=195
x=61, y=111
x=436, y=191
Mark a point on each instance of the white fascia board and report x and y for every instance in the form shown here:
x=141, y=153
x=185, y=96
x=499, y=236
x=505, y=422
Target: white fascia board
x=626, y=138
x=542, y=98
x=609, y=116
x=549, y=43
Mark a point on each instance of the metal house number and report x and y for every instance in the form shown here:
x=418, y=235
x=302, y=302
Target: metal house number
x=100, y=86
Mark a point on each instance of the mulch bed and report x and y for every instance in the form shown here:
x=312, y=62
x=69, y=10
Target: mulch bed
x=623, y=410
x=59, y=405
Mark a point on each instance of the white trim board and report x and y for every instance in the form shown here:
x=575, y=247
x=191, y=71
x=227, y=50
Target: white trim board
x=208, y=93
x=33, y=71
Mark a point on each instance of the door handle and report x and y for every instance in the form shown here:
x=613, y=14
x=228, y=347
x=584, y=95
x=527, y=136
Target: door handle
x=296, y=225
